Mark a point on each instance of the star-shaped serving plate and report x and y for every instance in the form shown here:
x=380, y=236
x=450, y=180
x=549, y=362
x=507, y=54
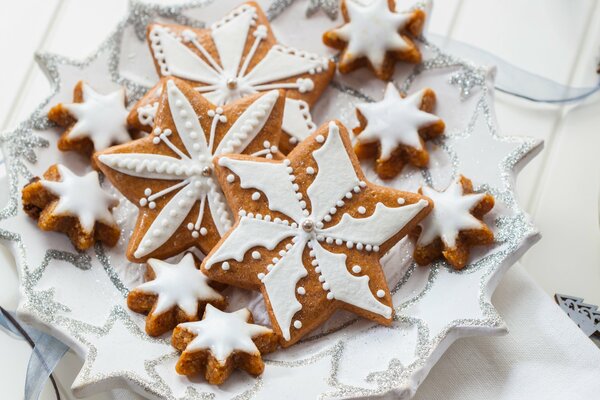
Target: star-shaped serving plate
x=80, y=297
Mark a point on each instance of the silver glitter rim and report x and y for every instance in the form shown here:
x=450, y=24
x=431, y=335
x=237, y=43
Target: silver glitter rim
x=516, y=233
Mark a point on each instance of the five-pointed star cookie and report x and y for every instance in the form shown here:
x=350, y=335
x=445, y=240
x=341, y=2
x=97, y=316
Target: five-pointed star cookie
x=174, y=293
x=75, y=205
x=236, y=57
x=93, y=122
x=377, y=36
x=310, y=232
x=454, y=225
x=392, y=130
x=168, y=174
x=220, y=342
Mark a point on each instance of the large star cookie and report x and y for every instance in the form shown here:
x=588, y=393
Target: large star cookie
x=377, y=36
x=93, y=122
x=310, y=232
x=168, y=174
x=72, y=204
x=393, y=130
x=236, y=57
x=221, y=342
x=454, y=225
x=175, y=293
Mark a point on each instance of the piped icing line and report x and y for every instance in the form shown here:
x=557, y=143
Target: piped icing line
x=191, y=167
x=306, y=229
x=81, y=197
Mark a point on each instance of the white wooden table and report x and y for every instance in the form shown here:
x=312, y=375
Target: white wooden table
x=559, y=39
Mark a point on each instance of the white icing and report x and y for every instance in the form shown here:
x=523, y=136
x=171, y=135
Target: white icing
x=372, y=31
x=394, y=121
x=188, y=167
x=450, y=215
x=280, y=279
x=147, y=113
x=224, y=333
x=81, y=197
x=101, y=118
x=180, y=284
x=231, y=80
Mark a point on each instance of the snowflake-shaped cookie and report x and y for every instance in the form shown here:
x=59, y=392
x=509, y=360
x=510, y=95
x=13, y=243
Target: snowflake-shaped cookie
x=454, y=225
x=174, y=294
x=392, y=130
x=221, y=342
x=310, y=232
x=93, y=122
x=75, y=205
x=236, y=57
x=168, y=174
x=376, y=35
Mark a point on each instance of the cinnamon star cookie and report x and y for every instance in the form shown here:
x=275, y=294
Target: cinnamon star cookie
x=376, y=36
x=169, y=174
x=455, y=224
x=75, y=205
x=93, y=122
x=309, y=233
x=175, y=293
x=236, y=57
x=221, y=342
x=393, y=130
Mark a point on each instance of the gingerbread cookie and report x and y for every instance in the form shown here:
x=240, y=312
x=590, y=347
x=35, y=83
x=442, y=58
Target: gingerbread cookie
x=221, y=342
x=309, y=233
x=393, y=130
x=168, y=174
x=376, y=36
x=236, y=57
x=454, y=225
x=174, y=293
x=72, y=204
x=93, y=122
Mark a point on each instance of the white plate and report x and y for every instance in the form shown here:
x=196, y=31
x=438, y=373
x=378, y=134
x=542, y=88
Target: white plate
x=80, y=297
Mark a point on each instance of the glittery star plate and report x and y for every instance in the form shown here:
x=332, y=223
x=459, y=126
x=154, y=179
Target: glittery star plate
x=80, y=297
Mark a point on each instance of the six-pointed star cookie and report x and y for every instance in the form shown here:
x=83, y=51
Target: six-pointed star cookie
x=392, y=130
x=236, y=57
x=310, y=232
x=174, y=293
x=75, y=205
x=454, y=225
x=375, y=35
x=221, y=342
x=168, y=174
x=93, y=122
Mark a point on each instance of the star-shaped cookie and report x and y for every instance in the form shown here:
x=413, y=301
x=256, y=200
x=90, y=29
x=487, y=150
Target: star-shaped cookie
x=93, y=122
x=220, y=342
x=455, y=224
x=236, y=57
x=376, y=36
x=174, y=293
x=393, y=130
x=309, y=233
x=72, y=204
x=168, y=174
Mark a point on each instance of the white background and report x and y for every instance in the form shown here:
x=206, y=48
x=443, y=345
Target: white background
x=559, y=39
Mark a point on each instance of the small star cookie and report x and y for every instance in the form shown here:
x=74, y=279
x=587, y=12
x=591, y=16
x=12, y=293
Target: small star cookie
x=220, y=342
x=174, y=293
x=168, y=175
x=393, y=130
x=93, y=122
x=454, y=225
x=309, y=233
x=376, y=36
x=72, y=204
x=235, y=57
